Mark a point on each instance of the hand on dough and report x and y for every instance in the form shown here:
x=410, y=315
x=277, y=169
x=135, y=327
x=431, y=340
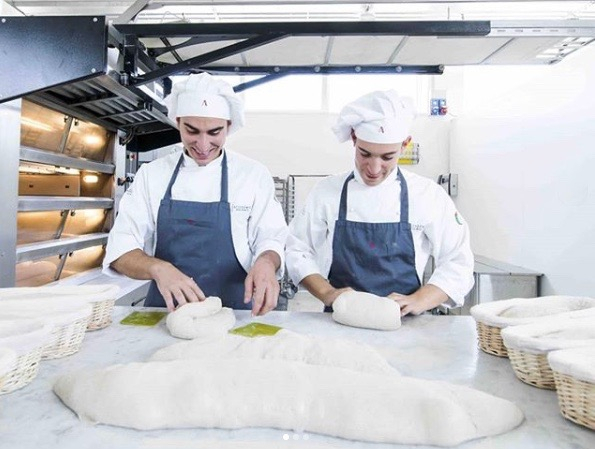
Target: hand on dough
x=331, y=295
x=261, y=284
x=409, y=304
x=426, y=298
x=175, y=285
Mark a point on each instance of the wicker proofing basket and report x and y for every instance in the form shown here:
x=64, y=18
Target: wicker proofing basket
x=490, y=340
x=101, y=297
x=492, y=317
x=8, y=361
x=577, y=399
x=27, y=338
x=67, y=337
x=529, y=344
x=101, y=317
x=68, y=319
x=533, y=369
x=574, y=374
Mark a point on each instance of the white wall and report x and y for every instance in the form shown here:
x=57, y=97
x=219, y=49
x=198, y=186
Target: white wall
x=524, y=147
x=302, y=143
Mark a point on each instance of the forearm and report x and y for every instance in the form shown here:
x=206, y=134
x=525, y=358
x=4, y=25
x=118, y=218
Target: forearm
x=429, y=296
x=425, y=298
x=137, y=264
x=271, y=257
x=321, y=288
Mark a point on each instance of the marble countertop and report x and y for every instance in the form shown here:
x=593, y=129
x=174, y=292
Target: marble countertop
x=429, y=347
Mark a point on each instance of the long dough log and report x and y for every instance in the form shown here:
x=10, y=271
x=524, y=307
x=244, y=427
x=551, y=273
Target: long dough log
x=233, y=394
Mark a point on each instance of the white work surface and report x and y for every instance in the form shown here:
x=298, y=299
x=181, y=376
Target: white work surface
x=429, y=347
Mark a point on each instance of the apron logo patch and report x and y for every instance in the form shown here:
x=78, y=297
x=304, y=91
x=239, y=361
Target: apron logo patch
x=458, y=218
x=372, y=245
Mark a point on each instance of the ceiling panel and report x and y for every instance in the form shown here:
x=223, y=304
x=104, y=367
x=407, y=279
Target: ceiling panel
x=289, y=51
x=448, y=51
x=376, y=50
x=526, y=51
x=383, y=50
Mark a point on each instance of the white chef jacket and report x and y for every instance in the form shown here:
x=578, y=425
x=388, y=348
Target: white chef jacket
x=257, y=221
x=437, y=228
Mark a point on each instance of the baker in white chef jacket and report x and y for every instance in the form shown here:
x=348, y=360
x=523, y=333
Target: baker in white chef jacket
x=374, y=228
x=205, y=221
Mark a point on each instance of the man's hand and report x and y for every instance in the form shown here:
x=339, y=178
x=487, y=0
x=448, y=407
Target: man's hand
x=322, y=289
x=175, y=285
x=410, y=304
x=426, y=298
x=330, y=295
x=261, y=284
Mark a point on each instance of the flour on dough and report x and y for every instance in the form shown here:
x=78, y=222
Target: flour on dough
x=200, y=319
x=360, y=309
x=547, y=305
x=284, y=345
x=232, y=394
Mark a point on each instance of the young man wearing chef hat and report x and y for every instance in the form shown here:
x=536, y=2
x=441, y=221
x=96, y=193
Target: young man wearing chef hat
x=204, y=222
x=373, y=229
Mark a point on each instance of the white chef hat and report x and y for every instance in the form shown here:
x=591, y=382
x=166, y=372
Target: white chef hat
x=201, y=95
x=377, y=117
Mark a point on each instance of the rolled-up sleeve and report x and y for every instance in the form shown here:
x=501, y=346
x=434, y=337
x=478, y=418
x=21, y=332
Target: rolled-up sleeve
x=267, y=229
x=134, y=226
x=448, y=233
x=308, y=233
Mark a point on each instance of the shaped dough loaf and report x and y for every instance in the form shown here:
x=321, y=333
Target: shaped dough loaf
x=360, y=309
x=284, y=345
x=200, y=319
x=233, y=394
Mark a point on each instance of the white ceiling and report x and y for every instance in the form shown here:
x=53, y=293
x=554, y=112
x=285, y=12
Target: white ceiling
x=523, y=31
x=270, y=10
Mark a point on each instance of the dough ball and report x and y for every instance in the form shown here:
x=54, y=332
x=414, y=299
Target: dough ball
x=200, y=319
x=210, y=306
x=360, y=309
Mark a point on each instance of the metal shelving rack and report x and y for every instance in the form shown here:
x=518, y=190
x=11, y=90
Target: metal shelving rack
x=44, y=157
x=285, y=191
x=46, y=203
x=285, y=198
x=61, y=247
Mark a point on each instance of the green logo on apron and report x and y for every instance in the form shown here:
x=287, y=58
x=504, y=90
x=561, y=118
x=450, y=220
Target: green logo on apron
x=458, y=218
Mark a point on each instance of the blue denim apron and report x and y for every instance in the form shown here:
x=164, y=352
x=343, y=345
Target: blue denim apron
x=377, y=258
x=196, y=238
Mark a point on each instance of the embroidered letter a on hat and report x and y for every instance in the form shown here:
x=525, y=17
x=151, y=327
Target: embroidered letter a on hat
x=201, y=95
x=377, y=117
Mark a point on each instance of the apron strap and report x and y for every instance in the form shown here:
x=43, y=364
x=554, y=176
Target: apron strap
x=343, y=203
x=224, y=186
x=172, y=180
x=404, y=198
